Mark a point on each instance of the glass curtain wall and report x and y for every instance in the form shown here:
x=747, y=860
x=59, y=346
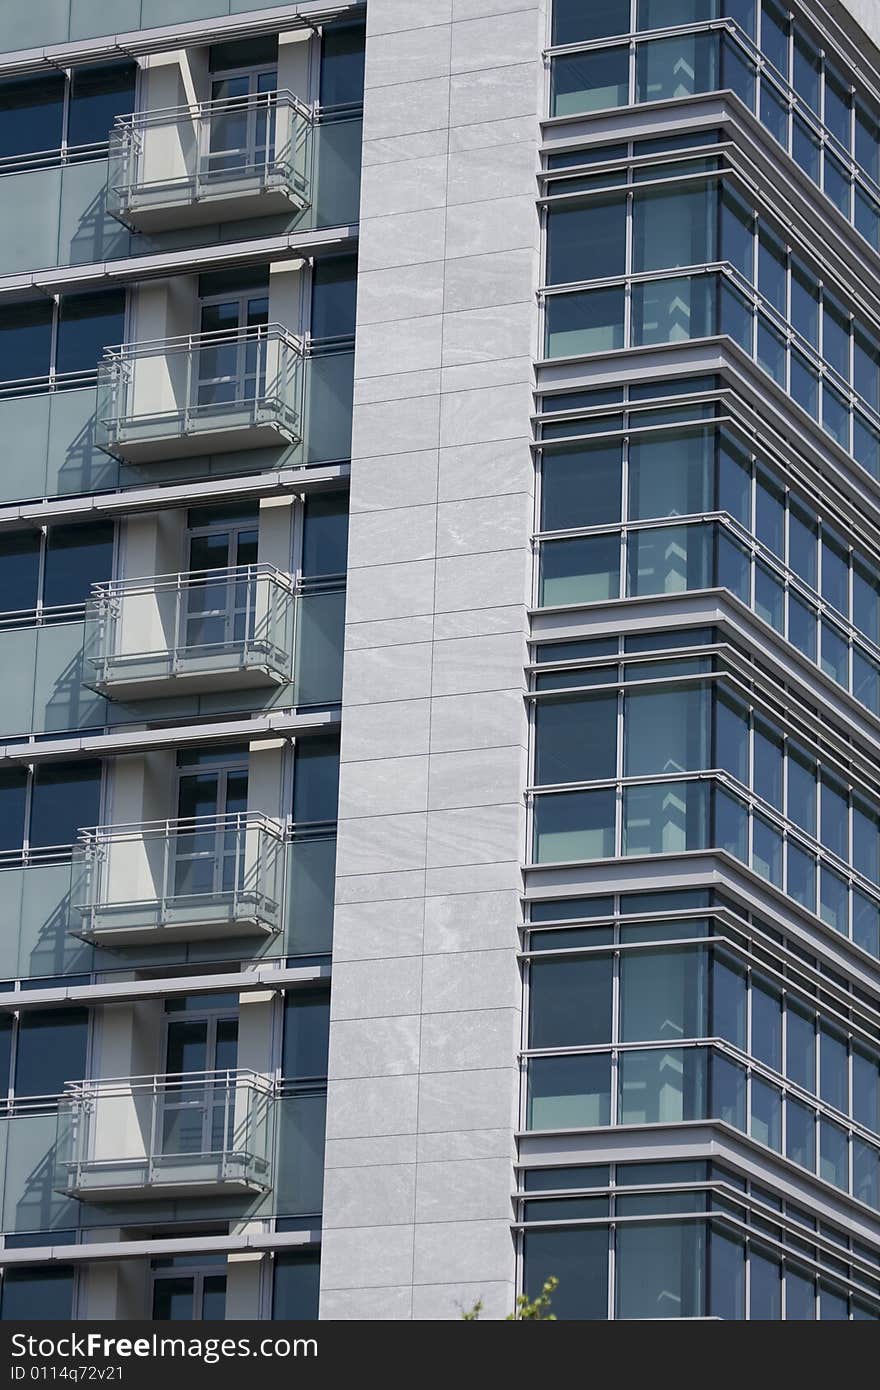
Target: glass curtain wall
x=786, y=73
x=689, y=1240
x=798, y=566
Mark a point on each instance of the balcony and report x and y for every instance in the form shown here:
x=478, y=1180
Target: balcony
x=198, y=1134
x=204, y=878
x=202, y=393
x=214, y=630
x=214, y=161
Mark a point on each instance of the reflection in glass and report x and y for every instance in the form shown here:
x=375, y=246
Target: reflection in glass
x=574, y=825
x=589, y=81
x=660, y=1270
x=584, y=322
x=569, y=1092
x=659, y=1086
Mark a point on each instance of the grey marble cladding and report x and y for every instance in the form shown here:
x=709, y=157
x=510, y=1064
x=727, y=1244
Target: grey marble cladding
x=424, y=1079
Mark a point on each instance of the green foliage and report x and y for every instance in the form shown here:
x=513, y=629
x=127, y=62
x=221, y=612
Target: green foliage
x=527, y=1309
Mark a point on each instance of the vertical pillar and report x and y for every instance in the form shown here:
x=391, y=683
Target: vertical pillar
x=423, y=1087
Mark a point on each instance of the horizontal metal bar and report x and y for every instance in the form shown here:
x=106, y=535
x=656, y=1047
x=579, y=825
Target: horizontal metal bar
x=132, y=269
x=232, y=1077
x=134, y=43
x=205, y=110
x=266, y=1241
x=280, y=725
x=233, y=574
x=242, y=982
x=159, y=496
x=196, y=342
x=190, y=825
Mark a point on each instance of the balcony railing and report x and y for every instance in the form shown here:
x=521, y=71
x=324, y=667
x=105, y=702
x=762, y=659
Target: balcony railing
x=197, y=1134
x=213, y=161
x=223, y=629
x=201, y=393
x=184, y=880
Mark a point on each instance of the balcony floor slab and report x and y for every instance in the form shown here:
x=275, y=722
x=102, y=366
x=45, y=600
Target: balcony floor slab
x=179, y=208
x=124, y=681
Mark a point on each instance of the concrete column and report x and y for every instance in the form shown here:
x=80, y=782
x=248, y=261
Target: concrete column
x=244, y=1275
x=149, y=616
x=111, y=1290
x=172, y=81
x=141, y=789
x=424, y=1082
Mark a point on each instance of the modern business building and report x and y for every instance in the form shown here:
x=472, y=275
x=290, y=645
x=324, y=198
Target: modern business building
x=440, y=656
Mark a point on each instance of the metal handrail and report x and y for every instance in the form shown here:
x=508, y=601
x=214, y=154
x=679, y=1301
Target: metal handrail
x=188, y=342
x=139, y=120
x=255, y=606
x=95, y=835
x=264, y=379
x=275, y=150
x=110, y=589
x=229, y=1113
x=234, y=1076
x=242, y=854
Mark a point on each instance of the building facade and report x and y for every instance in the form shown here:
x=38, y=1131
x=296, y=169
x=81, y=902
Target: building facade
x=440, y=725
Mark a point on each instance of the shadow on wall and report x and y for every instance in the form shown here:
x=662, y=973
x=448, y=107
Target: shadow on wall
x=71, y=706
x=32, y=1151
x=97, y=236
x=85, y=466
x=55, y=950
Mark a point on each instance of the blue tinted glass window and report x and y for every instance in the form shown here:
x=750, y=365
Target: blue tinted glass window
x=800, y=1295
x=13, y=792
x=261, y=51
x=807, y=66
x=576, y=739
x=837, y=107
x=334, y=294
x=566, y=909
x=673, y=229
x=801, y=1048
x=570, y=1002
x=805, y=304
x=586, y=242
x=19, y=570
x=76, y=558
x=31, y=111
x=97, y=96
x=295, y=1287
x=306, y=1034
x=51, y=1050
x=64, y=798
x=316, y=779
x=802, y=533
x=590, y=81
x=325, y=534
x=767, y=1025
x=578, y=1258
x=580, y=486
x=835, y=338
x=6, y=1024
x=87, y=323
x=573, y=21
x=25, y=340
x=342, y=64
x=765, y=1287
x=727, y=1275
x=38, y=1293
x=660, y=1270
x=774, y=36
x=833, y=1069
